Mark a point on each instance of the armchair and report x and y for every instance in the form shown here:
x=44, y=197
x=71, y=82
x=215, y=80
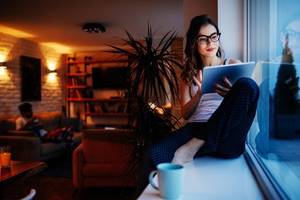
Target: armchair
x=104, y=159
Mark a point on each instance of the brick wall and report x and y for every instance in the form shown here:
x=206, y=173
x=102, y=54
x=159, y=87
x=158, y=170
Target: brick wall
x=11, y=48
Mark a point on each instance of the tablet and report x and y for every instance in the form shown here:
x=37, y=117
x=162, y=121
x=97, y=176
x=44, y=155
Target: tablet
x=216, y=74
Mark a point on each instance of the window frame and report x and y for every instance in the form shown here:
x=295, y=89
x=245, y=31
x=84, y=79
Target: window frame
x=264, y=179
x=267, y=183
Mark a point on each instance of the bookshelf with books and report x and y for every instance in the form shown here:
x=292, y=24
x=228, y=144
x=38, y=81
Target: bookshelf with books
x=97, y=107
x=77, y=86
x=107, y=112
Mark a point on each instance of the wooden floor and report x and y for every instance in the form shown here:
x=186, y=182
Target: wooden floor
x=55, y=183
x=59, y=188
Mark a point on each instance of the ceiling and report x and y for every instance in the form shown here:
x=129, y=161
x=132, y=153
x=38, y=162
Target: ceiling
x=60, y=21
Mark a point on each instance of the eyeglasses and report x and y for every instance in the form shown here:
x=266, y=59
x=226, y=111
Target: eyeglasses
x=204, y=39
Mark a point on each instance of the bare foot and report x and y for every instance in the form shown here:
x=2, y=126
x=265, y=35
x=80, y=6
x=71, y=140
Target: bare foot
x=186, y=152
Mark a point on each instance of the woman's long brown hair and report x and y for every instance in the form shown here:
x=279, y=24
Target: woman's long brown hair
x=193, y=61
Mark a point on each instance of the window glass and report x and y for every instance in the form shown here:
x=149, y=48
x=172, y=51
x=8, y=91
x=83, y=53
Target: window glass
x=274, y=28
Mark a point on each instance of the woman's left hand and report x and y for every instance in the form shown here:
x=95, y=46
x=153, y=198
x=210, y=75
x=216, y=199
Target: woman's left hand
x=223, y=89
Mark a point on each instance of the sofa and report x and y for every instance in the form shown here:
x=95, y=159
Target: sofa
x=105, y=158
x=26, y=146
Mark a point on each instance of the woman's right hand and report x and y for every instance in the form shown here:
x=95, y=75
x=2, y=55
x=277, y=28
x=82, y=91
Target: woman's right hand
x=223, y=89
x=189, y=102
x=198, y=80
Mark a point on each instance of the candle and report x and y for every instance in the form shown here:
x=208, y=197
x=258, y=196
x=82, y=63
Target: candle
x=5, y=159
x=5, y=156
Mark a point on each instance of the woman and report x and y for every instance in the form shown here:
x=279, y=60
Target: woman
x=217, y=123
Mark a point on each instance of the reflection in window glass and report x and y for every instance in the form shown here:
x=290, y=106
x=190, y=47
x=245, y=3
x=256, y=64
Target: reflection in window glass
x=275, y=133
x=288, y=20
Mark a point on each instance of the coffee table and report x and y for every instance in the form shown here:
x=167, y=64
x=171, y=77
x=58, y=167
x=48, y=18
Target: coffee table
x=22, y=169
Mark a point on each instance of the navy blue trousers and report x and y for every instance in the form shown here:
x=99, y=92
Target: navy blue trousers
x=224, y=133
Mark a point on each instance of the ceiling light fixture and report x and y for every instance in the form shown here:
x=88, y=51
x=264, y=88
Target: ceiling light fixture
x=93, y=28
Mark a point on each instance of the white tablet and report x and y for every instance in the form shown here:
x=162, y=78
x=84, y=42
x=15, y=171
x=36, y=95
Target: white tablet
x=215, y=74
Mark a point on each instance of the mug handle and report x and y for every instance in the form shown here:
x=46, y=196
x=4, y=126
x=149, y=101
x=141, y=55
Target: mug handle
x=151, y=176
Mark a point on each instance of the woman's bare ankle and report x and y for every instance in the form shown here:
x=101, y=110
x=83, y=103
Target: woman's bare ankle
x=196, y=142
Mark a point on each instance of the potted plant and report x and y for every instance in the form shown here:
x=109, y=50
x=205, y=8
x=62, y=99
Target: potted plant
x=152, y=81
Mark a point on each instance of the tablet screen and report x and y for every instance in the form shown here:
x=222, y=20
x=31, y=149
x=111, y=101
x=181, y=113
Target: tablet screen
x=215, y=74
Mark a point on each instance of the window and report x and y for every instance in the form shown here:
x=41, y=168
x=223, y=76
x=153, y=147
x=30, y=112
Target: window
x=274, y=138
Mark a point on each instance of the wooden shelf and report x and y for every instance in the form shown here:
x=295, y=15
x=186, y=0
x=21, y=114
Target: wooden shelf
x=98, y=61
x=97, y=100
x=78, y=79
x=111, y=100
x=76, y=86
x=78, y=74
x=79, y=99
x=108, y=114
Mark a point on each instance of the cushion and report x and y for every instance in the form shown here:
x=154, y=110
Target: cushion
x=77, y=138
x=21, y=133
x=50, y=148
x=102, y=151
x=7, y=124
x=50, y=120
x=74, y=122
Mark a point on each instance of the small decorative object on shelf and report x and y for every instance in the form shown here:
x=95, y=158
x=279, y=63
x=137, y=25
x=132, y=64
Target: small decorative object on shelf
x=78, y=70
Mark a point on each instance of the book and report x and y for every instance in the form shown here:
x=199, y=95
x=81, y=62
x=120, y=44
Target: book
x=78, y=93
x=73, y=82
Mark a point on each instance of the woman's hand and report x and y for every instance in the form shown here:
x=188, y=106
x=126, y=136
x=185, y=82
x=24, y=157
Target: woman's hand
x=198, y=80
x=189, y=100
x=223, y=89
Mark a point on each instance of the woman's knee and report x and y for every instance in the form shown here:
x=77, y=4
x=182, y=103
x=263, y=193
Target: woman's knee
x=150, y=152
x=247, y=85
x=147, y=158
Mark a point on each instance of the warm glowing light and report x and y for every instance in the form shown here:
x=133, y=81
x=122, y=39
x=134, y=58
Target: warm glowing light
x=51, y=65
x=159, y=110
x=52, y=79
x=151, y=105
x=167, y=105
x=58, y=47
x=15, y=32
x=4, y=75
x=52, y=76
x=3, y=56
x=5, y=158
x=3, y=71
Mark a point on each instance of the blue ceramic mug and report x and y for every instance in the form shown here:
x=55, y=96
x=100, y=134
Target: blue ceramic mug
x=170, y=180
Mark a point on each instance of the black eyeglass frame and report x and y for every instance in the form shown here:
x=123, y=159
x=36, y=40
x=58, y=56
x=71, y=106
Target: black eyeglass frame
x=208, y=38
